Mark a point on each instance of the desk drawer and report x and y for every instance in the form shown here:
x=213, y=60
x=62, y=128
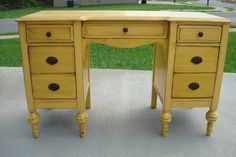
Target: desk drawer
x=51, y=86
x=125, y=29
x=196, y=59
x=49, y=33
x=52, y=59
x=199, y=34
x=193, y=85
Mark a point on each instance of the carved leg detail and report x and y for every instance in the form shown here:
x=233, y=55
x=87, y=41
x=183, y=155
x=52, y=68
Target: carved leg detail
x=81, y=119
x=211, y=117
x=33, y=119
x=165, y=120
x=154, y=98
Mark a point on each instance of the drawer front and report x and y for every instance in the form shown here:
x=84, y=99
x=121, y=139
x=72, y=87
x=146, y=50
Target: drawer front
x=193, y=85
x=49, y=33
x=199, y=34
x=52, y=59
x=124, y=29
x=196, y=59
x=51, y=86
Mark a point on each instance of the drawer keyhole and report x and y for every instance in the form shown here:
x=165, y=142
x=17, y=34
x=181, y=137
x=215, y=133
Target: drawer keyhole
x=125, y=29
x=52, y=60
x=53, y=86
x=194, y=86
x=196, y=60
x=48, y=34
x=200, y=34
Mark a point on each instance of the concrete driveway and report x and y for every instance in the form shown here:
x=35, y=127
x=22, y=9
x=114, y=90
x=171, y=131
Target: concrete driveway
x=229, y=15
x=120, y=123
x=8, y=25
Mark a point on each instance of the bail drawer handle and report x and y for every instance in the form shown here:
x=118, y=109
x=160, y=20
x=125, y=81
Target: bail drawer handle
x=196, y=60
x=194, y=86
x=52, y=60
x=53, y=87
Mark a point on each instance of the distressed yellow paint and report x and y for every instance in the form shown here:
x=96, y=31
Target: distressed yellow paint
x=115, y=29
x=66, y=84
x=64, y=55
x=184, y=55
x=191, y=34
x=181, y=84
x=58, y=33
x=174, y=35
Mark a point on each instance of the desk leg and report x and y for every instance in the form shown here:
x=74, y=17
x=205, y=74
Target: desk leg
x=33, y=119
x=87, y=73
x=82, y=76
x=88, y=100
x=211, y=117
x=154, y=92
x=154, y=97
x=82, y=119
x=165, y=120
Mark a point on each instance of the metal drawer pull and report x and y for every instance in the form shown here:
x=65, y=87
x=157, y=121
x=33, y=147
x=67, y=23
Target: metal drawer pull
x=200, y=34
x=125, y=29
x=48, y=34
x=194, y=86
x=53, y=86
x=196, y=60
x=52, y=60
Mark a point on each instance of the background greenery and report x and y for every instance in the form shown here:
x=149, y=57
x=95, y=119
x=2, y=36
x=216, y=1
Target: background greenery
x=14, y=13
x=230, y=62
x=102, y=56
x=11, y=4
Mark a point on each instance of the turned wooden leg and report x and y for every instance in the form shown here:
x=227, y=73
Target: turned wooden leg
x=81, y=119
x=33, y=119
x=88, y=100
x=154, y=98
x=211, y=117
x=165, y=120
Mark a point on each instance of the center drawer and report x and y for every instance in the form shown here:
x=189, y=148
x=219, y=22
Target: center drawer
x=125, y=29
x=51, y=86
x=193, y=85
x=51, y=59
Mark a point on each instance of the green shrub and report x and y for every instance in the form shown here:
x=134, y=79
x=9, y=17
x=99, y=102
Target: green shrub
x=12, y=4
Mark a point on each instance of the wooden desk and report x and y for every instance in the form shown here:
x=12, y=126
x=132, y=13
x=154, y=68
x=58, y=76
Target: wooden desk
x=189, y=54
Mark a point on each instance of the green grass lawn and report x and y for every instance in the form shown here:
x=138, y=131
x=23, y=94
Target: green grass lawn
x=103, y=56
x=230, y=62
x=108, y=57
x=20, y=12
x=10, y=53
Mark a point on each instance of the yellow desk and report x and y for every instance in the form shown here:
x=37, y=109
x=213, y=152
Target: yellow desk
x=189, y=54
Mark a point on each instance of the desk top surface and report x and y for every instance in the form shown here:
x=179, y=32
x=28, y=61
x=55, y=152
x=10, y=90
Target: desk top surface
x=73, y=15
